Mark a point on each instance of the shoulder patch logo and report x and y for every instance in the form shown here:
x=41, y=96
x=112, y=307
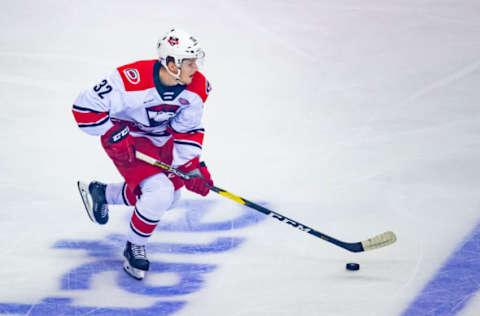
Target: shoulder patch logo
x=132, y=75
x=208, y=87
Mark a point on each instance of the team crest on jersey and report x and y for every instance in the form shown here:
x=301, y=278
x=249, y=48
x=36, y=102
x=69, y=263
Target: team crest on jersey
x=161, y=114
x=173, y=40
x=132, y=75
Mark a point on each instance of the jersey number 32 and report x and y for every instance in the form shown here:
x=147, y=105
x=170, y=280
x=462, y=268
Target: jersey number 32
x=102, y=88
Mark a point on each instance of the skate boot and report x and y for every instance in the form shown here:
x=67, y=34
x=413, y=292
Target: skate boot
x=136, y=262
x=94, y=201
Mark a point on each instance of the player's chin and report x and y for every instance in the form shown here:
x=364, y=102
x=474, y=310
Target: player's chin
x=188, y=80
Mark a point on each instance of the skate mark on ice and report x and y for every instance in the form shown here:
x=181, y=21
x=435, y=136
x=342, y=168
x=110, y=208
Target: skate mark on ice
x=197, y=210
x=64, y=306
x=115, y=242
x=440, y=83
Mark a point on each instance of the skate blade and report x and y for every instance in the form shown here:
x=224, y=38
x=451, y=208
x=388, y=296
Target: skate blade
x=83, y=190
x=133, y=272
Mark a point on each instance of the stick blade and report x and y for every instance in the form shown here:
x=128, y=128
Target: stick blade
x=379, y=241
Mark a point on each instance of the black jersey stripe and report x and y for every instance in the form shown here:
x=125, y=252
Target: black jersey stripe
x=81, y=108
x=187, y=132
x=101, y=122
x=182, y=142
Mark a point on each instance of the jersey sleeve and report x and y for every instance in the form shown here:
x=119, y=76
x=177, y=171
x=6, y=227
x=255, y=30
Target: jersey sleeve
x=187, y=131
x=91, y=108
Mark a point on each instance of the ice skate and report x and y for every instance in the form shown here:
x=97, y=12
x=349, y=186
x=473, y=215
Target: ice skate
x=94, y=201
x=136, y=262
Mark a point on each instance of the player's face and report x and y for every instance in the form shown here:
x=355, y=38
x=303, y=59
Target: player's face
x=188, y=67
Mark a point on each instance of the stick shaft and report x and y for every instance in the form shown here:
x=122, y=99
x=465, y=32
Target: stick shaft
x=372, y=243
x=353, y=247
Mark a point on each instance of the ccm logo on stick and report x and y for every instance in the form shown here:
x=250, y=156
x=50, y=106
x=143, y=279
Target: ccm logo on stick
x=290, y=222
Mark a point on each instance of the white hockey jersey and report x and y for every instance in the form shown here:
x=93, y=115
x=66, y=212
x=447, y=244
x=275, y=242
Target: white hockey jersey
x=133, y=94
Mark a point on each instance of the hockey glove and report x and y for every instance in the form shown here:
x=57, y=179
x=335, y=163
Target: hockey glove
x=200, y=176
x=119, y=145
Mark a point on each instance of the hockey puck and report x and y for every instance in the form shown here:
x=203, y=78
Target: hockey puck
x=353, y=266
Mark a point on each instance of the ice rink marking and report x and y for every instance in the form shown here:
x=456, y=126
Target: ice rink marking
x=455, y=283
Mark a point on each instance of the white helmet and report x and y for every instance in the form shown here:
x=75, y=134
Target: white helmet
x=179, y=45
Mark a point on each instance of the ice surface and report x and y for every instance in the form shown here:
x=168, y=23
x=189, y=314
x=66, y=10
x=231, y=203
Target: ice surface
x=352, y=117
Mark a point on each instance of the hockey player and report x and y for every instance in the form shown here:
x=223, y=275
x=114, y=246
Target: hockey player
x=155, y=107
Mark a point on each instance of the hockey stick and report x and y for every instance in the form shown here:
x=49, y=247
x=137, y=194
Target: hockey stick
x=378, y=241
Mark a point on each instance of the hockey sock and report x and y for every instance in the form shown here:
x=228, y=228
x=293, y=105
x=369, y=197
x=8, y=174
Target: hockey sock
x=157, y=196
x=117, y=194
x=141, y=228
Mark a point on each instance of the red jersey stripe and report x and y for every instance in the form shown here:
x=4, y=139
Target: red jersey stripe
x=88, y=117
x=196, y=137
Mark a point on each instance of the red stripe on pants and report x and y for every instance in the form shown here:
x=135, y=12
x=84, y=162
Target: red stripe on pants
x=142, y=226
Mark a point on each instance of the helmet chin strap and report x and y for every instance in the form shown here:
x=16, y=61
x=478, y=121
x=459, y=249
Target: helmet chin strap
x=176, y=76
